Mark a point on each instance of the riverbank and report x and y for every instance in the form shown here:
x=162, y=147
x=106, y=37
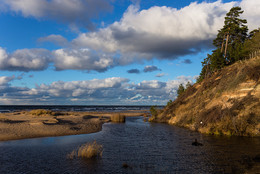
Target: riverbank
x=43, y=123
x=144, y=147
x=226, y=103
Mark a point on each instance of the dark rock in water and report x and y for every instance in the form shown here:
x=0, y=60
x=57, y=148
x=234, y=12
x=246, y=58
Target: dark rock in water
x=196, y=143
x=125, y=165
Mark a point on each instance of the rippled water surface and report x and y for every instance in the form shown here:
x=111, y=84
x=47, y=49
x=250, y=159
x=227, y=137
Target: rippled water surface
x=144, y=147
x=78, y=108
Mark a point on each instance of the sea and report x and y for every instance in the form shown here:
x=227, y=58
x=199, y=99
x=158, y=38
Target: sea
x=78, y=108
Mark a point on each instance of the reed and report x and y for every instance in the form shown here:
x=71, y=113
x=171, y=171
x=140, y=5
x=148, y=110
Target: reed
x=118, y=118
x=87, y=151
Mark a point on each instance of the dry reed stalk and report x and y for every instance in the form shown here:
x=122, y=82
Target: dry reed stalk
x=87, y=151
x=118, y=118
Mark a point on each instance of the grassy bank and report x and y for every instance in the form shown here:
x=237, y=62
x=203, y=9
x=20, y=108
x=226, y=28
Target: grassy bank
x=227, y=103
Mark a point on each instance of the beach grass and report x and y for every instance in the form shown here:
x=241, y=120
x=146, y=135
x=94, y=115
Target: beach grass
x=87, y=151
x=118, y=118
x=40, y=112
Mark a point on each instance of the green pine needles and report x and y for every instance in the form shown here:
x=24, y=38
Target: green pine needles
x=233, y=43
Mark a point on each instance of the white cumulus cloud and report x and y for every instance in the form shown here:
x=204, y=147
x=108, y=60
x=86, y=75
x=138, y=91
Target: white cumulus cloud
x=161, y=32
x=25, y=60
x=4, y=80
x=116, y=90
x=81, y=59
x=157, y=32
x=251, y=13
x=73, y=12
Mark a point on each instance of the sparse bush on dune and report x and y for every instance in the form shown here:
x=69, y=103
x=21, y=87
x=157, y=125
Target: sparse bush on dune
x=154, y=114
x=87, y=151
x=145, y=115
x=118, y=118
x=39, y=112
x=235, y=125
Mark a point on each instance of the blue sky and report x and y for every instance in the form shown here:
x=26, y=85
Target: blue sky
x=92, y=52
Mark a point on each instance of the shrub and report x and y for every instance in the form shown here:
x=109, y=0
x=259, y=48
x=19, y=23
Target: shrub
x=153, y=111
x=169, y=103
x=188, y=85
x=145, y=115
x=180, y=90
x=87, y=151
x=151, y=119
x=118, y=118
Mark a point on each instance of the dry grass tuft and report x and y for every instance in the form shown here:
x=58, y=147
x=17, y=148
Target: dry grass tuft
x=39, y=112
x=118, y=118
x=87, y=151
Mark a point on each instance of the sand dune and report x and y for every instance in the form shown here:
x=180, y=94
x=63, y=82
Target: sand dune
x=25, y=124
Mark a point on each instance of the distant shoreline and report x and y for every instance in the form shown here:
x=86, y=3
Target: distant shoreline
x=29, y=124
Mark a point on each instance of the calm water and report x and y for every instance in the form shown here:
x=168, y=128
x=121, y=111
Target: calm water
x=145, y=147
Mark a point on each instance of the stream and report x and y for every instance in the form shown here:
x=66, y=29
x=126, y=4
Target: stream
x=145, y=148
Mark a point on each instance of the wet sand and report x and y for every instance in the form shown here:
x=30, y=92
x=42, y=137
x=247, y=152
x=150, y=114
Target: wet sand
x=23, y=124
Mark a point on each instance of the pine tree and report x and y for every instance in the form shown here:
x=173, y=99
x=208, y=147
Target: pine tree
x=217, y=60
x=180, y=90
x=229, y=44
x=232, y=36
x=188, y=85
x=253, y=33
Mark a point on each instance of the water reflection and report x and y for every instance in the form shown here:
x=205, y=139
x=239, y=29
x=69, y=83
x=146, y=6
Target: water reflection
x=144, y=147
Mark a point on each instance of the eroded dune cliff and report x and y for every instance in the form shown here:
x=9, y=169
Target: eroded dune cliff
x=227, y=103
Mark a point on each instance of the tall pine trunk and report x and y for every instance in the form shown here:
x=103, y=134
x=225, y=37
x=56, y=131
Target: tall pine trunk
x=226, y=46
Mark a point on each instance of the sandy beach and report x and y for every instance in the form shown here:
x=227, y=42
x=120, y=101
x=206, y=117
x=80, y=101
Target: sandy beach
x=30, y=124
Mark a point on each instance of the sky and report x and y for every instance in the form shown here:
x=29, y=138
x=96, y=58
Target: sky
x=107, y=52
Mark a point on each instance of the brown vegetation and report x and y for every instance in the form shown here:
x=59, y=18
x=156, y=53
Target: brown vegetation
x=87, y=151
x=118, y=118
x=226, y=103
x=41, y=112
